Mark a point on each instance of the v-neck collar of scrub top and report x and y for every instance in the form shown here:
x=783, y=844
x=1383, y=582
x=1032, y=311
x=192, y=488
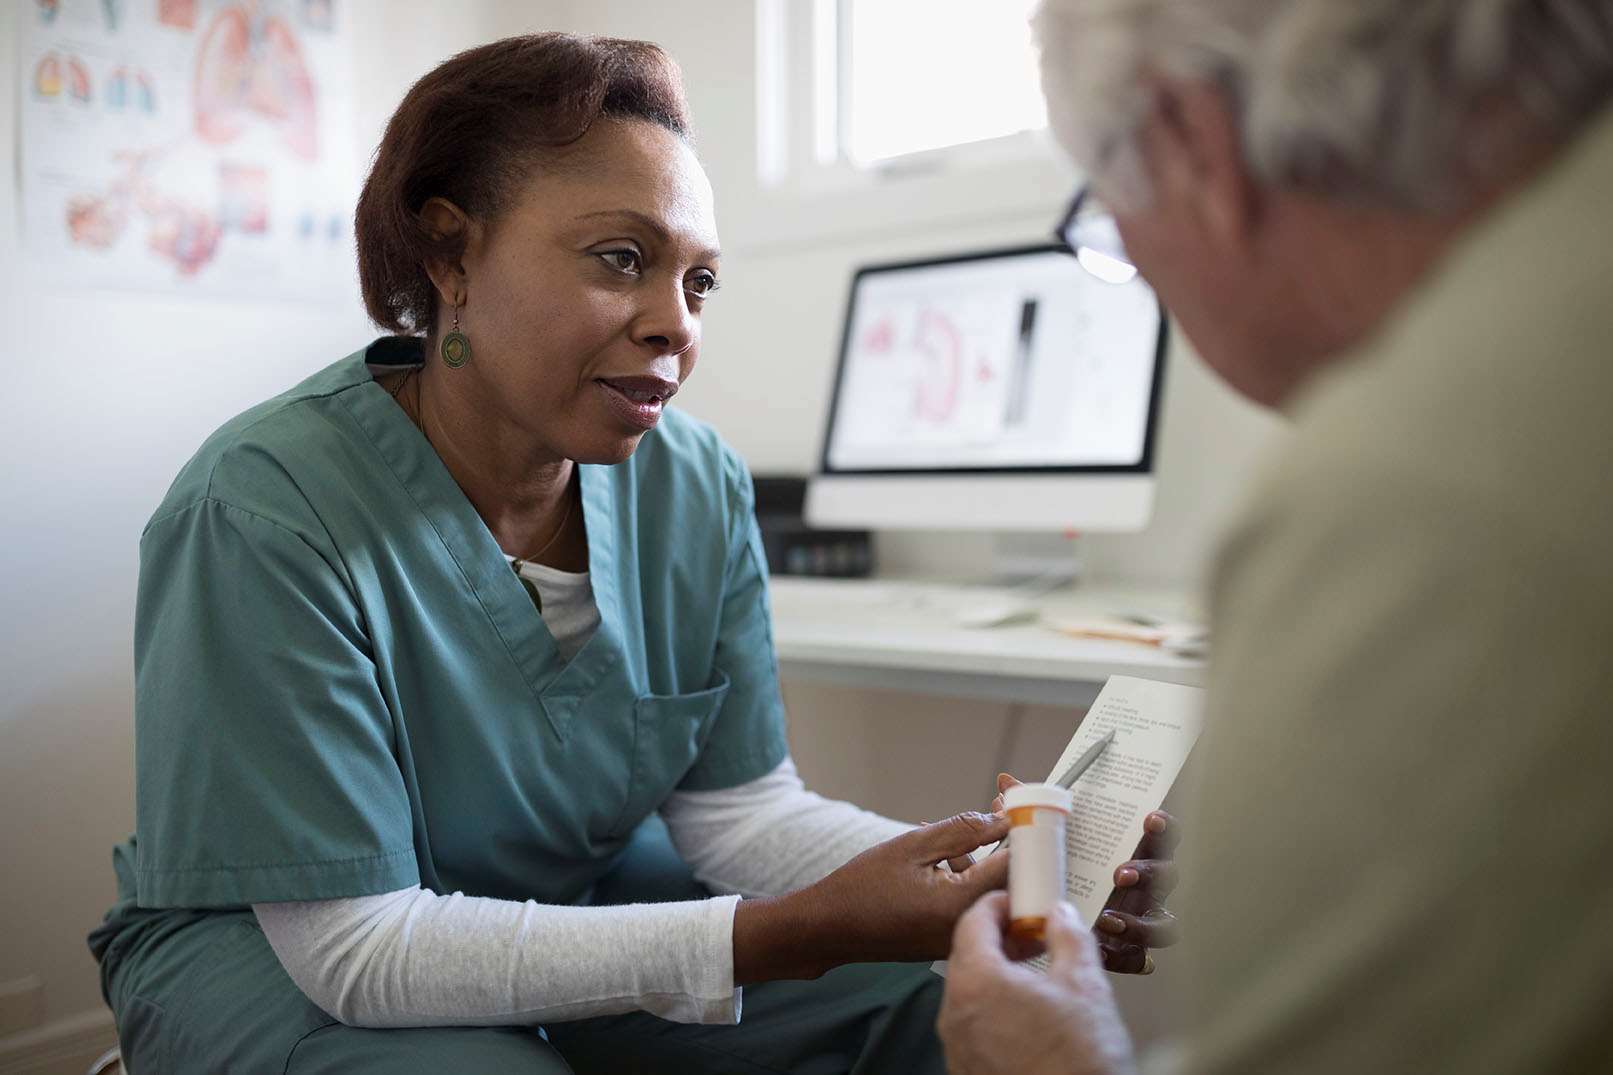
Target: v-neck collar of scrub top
x=558, y=685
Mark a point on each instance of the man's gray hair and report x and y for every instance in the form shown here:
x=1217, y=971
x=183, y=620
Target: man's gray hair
x=1409, y=103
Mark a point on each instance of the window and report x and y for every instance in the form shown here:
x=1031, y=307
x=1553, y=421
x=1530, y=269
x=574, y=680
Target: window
x=921, y=75
x=891, y=85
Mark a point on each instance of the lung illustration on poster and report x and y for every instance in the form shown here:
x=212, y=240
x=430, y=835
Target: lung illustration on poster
x=191, y=146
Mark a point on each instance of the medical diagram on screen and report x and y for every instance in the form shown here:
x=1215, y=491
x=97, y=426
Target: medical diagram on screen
x=1023, y=361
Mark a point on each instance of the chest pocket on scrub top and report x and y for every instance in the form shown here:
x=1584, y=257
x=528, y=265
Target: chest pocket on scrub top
x=668, y=733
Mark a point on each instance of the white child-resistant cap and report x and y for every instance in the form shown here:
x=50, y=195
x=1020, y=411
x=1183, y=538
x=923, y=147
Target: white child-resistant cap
x=1050, y=795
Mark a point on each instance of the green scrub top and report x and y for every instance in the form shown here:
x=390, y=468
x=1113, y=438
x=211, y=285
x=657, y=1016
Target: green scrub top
x=343, y=689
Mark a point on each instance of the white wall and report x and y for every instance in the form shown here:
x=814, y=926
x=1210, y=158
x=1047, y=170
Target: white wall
x=106, y=394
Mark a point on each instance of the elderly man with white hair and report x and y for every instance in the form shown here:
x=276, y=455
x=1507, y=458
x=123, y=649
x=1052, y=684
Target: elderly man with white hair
x=1393, y=219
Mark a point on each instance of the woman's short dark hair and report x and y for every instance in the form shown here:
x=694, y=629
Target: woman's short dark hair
x=470, y=132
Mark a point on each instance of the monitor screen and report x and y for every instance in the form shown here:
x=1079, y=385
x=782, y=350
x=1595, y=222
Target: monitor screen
x=1010, y=361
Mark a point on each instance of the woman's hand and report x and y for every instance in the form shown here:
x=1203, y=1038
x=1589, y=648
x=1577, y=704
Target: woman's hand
x=889, y=904
x=1135, y=919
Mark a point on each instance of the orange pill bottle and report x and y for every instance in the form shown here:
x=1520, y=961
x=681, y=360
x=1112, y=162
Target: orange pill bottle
x=1039, y=814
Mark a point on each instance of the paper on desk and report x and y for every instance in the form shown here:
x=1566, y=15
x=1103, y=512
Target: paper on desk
x=1182, y=638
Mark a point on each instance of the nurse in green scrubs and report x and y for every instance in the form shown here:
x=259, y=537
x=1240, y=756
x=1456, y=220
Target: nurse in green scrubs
x=462, y=614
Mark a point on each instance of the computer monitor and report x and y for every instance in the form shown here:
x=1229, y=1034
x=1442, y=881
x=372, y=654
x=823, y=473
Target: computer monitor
x=1013, y=390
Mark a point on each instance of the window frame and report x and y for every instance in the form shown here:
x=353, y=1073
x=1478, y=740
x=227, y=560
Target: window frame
x=801, y=136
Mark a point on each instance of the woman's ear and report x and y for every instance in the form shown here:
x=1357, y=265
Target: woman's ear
x=443, y=219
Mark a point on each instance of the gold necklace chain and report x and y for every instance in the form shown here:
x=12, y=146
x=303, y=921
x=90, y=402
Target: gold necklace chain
x=570, y=500
x=561, y=529
x=402, y=381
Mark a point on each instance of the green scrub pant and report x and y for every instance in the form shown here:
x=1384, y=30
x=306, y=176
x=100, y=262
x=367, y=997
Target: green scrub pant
x=201, y=991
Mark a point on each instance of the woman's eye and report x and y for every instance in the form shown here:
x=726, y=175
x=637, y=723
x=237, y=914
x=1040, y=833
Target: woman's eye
x=702, y=284
x=626, y=261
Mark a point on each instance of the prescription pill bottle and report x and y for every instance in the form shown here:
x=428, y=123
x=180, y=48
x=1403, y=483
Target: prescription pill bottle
x=1038, y=813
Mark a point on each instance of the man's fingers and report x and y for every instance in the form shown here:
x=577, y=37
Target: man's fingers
x=1157, y=930
x=1161, y=834
x=959, y=864
x=955, y=836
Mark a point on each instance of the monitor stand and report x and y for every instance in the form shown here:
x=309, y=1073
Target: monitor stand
x=1040, y=561
x=1046, y=561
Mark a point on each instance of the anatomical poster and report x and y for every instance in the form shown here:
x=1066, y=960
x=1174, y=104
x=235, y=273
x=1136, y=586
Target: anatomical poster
x=196, y=147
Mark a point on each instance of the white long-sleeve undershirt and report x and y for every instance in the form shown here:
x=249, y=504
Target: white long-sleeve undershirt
x=419, y=958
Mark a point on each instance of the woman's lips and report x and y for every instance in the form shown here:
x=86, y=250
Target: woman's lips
x=637, y=401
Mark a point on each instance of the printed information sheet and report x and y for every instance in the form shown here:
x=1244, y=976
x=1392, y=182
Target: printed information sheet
x=1155, y=726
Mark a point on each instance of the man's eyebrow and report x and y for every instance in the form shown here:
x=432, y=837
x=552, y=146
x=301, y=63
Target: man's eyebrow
x=648, y=222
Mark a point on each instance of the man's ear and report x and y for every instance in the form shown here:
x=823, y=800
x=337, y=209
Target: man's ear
x=1195, y=150
x=443, y=218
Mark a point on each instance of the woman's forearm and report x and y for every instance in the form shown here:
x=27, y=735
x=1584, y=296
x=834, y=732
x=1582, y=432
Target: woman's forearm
x=771, y=835
x=791, y=936
x=413, y=958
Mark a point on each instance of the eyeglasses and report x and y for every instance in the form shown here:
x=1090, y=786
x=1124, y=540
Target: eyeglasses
x=1089, y=230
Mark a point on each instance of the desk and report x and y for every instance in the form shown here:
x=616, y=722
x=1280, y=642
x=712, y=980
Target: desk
x=873, y=633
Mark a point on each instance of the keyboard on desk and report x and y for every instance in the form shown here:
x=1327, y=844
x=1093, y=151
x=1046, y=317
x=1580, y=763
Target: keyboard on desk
x=960, y=604
x=1095, y=613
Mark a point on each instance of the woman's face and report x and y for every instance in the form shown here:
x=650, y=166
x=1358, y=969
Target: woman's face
x=583, y=300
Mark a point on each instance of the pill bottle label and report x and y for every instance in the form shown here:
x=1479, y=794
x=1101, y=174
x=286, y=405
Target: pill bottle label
x=1036, y=868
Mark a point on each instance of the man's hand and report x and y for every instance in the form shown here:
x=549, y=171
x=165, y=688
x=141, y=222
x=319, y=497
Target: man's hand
x=1000, y=1017
x=1134, y=919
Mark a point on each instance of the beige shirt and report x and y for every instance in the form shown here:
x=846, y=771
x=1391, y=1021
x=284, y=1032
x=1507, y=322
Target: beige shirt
x=1402, y=856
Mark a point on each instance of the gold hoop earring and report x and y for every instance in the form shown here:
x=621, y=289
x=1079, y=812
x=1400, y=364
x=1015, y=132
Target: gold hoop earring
x=455, y=347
